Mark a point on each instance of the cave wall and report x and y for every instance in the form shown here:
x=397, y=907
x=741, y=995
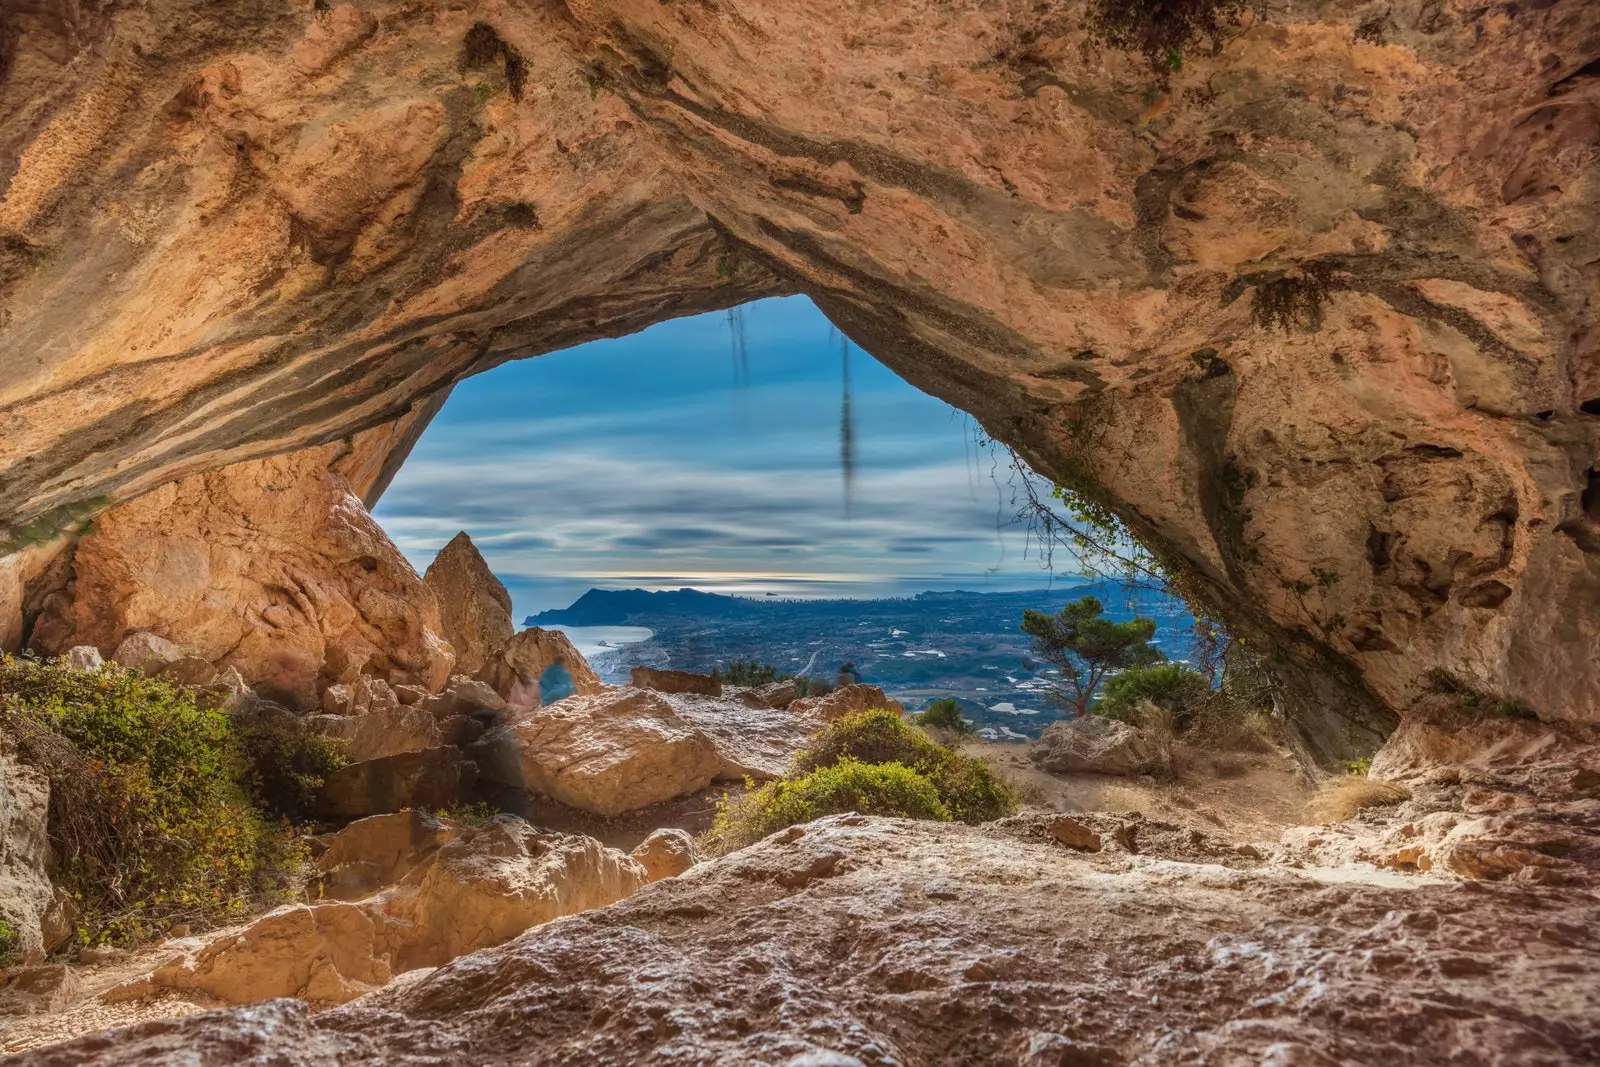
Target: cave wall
x=1313, y=313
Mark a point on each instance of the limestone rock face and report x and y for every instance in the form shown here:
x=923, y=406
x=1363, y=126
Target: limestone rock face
x=666, y=853
x=147, y=652
x=474, y=889
x=377, y=851
x=612, y=752
x=272, y=567
x=84, y=658
x=517, y=673
x=382, y=732
x=845, y=700
x=1314, y=314
x=474, y=606
x=488, y=887
x=1091, y=744
x=675, y=681
x=26, y=896
x=323, y=952
x=1010, y=916
x=751, y=742
x=775, y=694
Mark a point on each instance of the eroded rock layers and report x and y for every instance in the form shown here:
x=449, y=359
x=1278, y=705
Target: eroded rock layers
x=1312, y=314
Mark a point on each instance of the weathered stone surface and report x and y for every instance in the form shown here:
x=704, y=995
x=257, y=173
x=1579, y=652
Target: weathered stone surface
x=272, y=567
x=38, y=990
x=1092, y=956
x=754, y=742
x=675, y=681
x=474, y=606
x=26, y=896
x=464, y=696
x=612, y=752
x=376, y=733
x=1091, y=744
x=516, y=672
x=429, y=778
x=776, y=694
x=1072, y=833
x=486, y=888
x=845, y=700
x=325, y=952
x=666, y=853
x=378, y=851
x=84, y=658
x=189, y=670
x=147, y=652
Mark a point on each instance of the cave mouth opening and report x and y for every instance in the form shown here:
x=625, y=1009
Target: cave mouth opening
x=754, y=453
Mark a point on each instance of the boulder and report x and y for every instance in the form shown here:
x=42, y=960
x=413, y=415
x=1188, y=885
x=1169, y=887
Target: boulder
x=27, y=899
x=84, y=658
x=479, y=889
x=1091, y=744
x=338, y=699
x=845, y=700
x=190, y=671
x=516, y=673
x=751, y=741
x=473, y=605
x=775, y=694
x=429, y=778
x=1074, y=834
x=675, y=681
x=607, y=753
x=377, y=851
x=460, y=730
x=487, y=888
x=325, y=952
x=410, y=695
x=465, y=696
x=270, y=565
x=666, y=853
x=147, y=652
x=38, y=990
x=374, y=734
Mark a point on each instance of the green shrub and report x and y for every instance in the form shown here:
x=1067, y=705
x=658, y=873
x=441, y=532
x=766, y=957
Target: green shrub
x=747, y=672
x=287, y=764
x=10, y=945
x=945, y=714
x=966, y=786
x=1177, y=688
x=150, y=811
x=848, y=785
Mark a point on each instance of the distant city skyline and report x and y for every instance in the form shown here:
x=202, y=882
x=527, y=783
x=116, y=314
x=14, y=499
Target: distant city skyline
x=719, y=452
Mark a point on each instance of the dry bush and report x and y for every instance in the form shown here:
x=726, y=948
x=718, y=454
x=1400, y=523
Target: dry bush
x=1341, y=798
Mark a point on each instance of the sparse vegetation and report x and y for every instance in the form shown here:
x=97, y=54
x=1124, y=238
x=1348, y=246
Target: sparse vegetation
x=10, y=945
x=1295, y=298
x=873, y=762
x=748, y=672
x=1475, y=702
x=1343, y=797
x=1086, y=647
x=473, y=815
x=151, y=816
x=483, y=45
x=286, y=765
x=1162, y=30
x=945, y=714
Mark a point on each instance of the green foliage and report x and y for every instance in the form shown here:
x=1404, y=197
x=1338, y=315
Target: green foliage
x=1161, y=30
x=150, y=811
x=1360, y=766
x=872, y=762
x=1180, y=690
x=945, y=714
x=747, y=672
x=475, y=815
x=966, y=785
x=848, y=785
x=286, y=765
x=71, y=518
x=10, y=945
x=1086, y=646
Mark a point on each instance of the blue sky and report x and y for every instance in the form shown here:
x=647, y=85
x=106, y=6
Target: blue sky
x=654, y=461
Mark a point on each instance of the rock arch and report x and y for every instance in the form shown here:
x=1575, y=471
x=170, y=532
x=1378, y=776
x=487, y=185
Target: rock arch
x=1314, y=318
